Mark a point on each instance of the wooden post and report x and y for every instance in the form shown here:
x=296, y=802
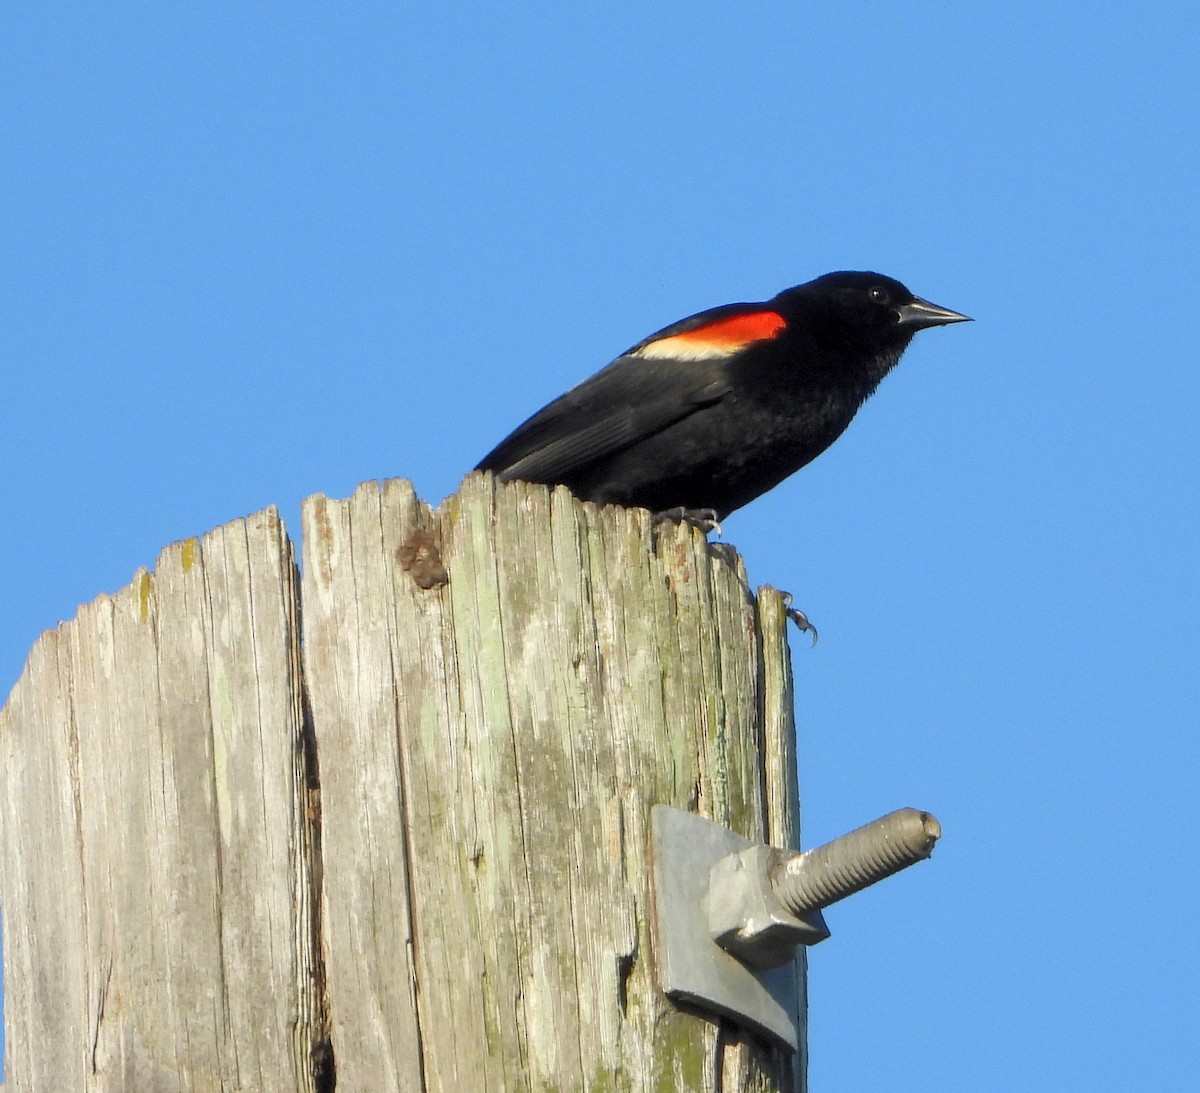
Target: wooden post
x=400, y=844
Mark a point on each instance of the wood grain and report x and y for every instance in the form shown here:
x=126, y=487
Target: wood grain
x=402, y=832
x=150, y=833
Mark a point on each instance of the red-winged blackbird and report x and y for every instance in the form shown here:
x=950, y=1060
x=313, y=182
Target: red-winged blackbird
x=714, y=410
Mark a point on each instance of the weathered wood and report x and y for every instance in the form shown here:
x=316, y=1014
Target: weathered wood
x=416, y=849
x=151, y=841
x=490, y=750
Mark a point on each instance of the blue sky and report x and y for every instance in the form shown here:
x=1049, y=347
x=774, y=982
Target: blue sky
x=255, y=252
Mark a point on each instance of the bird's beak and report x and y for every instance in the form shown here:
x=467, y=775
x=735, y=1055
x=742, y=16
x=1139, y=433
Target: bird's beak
x=921, y=314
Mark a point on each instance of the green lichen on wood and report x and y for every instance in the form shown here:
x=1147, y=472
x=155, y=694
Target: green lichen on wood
x=572, y=673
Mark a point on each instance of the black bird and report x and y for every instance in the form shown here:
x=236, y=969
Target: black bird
x=714, y=410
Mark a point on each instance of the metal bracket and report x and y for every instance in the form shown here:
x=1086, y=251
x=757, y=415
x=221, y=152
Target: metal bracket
x=692, y=968
x=729, y=913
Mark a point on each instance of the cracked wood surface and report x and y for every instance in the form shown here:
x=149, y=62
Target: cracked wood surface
x=151, y=833
x=405, y=837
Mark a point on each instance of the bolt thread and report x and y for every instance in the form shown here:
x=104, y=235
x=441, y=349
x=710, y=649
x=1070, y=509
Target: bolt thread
x=810, y=881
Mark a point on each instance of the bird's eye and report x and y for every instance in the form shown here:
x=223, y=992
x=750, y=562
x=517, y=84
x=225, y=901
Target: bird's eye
x=879, y=294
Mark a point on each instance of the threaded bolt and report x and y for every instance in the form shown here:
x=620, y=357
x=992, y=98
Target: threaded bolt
x=848, y=864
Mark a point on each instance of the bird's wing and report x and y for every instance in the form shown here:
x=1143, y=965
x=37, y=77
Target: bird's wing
x=660, y=381
x=628, y=401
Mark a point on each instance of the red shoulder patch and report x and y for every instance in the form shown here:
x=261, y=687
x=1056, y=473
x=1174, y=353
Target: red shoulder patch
x=720, y=338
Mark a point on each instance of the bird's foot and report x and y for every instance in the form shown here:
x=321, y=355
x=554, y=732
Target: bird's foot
x=798, y=617
x=705, y=520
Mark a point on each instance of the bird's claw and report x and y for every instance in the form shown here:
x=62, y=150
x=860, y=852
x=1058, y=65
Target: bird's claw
x=798, y=617
x=705, y=520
